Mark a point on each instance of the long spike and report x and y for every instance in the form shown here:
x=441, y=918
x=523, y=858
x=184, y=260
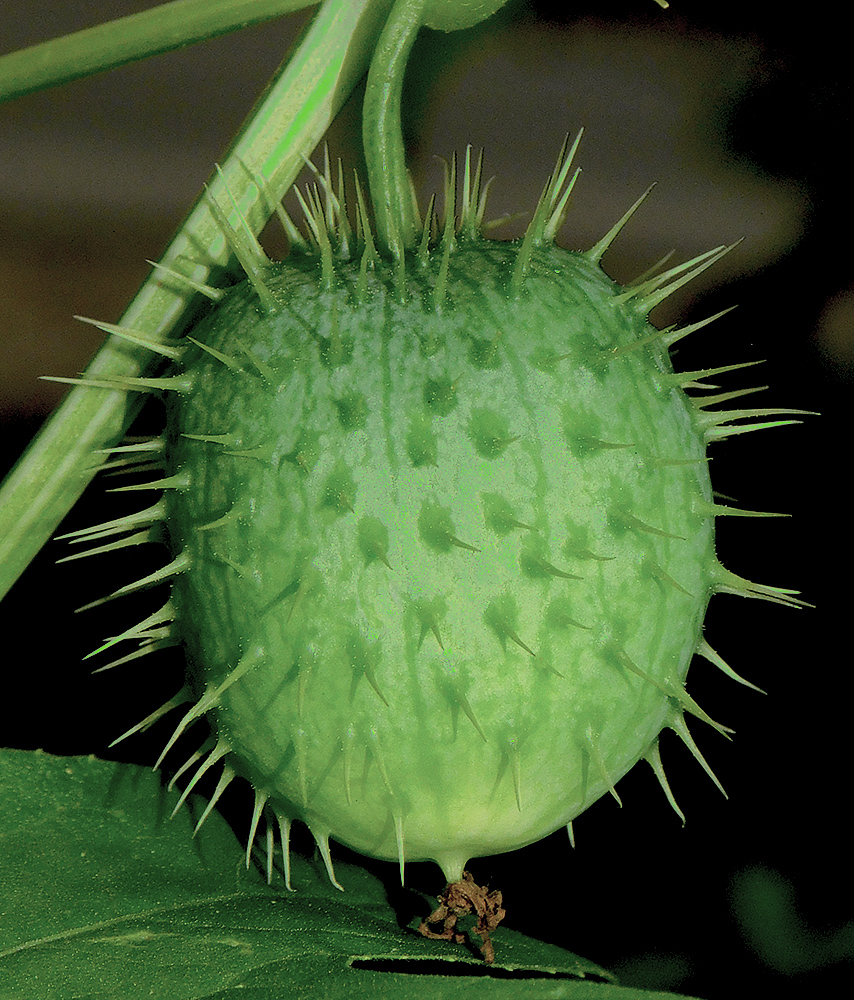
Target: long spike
x=285, y=835
x=474, y=197
x=271, y=843
x=244, y=665
x=732, y=583
x=140, y=443
x=344, y=233
x=659, y=573
x=679, y=726
x=332, y=208
x=687, y=703
x=182, y=384
x=173, y=383
x=246, y=249
x=469, y=712
x=179, y=481
x=294, y=236
x=650, y=271
x=448, y=238
x=516, y=771
x=230, y=363
x=317, y=220
x=466, y=194
x=218, y=752
x=558, y=198
x=706, y=651
x=207, y=701
x=629, y=664
x=140, y=538
x=171, y=351
x=591, y=740
x=721, y=510
x=178, y=565
x=630, y=521
x=653, y=757
x=194, y=758
x=671, y=336
x=260, y=800
x=363, y=222
x=720, y=433
x=638, y=289
x=228, y=440
x=263, y=370
x=322, y=841
x=144, y=452
x=534, y=234
x=677, y=693
x=214, y=294
x=481, y=205
x=151, y=645
x=140, y=630
x=688, y=380
x=132, y=465
x=274, y=206
x=417, y=221
x=597, y=251
x=309, y=214
x=709, y=421
x=377, y=755
x=477, y=197
x=249, y=239
x=180, y=698
x=651, y=300
x=702, y=402
x=610, y=353
x=235, y=513
x=398, y=836
x=423, y=253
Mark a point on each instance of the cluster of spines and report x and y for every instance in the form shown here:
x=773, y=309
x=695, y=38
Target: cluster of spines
x=331, y=237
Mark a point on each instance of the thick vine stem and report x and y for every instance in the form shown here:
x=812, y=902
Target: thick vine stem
x=451, y=15
x=136, y=36
x=391, y=193
x=285, y=126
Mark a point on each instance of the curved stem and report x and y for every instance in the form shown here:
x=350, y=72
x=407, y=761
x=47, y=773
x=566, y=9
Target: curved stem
x=388, y=179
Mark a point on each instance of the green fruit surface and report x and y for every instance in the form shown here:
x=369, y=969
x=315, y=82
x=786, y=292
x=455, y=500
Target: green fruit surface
x=449, y=554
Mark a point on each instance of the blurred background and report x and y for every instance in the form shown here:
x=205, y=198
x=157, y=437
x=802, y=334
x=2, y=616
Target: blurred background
x=742, y=115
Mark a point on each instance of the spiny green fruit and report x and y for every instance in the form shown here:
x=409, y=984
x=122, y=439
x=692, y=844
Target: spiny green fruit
x=442, y=530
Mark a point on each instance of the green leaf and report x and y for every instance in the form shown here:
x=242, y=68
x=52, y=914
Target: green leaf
x=102, y=896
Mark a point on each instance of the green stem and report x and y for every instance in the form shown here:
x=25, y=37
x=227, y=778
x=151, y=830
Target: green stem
x=391, y=192
x=286, y=125
x=149, y=33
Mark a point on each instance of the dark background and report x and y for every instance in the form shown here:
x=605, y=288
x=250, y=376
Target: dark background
x=742, y=113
